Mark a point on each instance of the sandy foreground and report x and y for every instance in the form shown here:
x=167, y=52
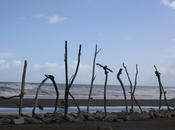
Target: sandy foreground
x=153, y=124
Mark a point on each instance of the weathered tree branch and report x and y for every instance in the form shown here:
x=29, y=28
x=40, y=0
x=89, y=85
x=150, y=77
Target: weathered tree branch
x=69, y=84
x=51, y=77
x=123, y=88
x=75, y=102
x=134, y=88
x=131, y=88
x=36, y=96
x=93, y=77
x=161, y=89
x=22, y=87
x=106, y=71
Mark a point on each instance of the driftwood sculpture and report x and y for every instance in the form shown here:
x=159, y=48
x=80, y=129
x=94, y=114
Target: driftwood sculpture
x=69, y=83
x=106, y=71
x=123, y=88
x=93, y=77
x=162, y=91
x=132, y=88
x=51, y=77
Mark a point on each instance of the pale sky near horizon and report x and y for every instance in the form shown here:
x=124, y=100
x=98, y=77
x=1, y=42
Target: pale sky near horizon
x=132, y=31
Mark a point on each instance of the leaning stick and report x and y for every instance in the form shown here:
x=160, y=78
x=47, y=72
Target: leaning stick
x=22, y=87
x=36, y=97
x=93, y=76
x=131, y=87
x=123, y=88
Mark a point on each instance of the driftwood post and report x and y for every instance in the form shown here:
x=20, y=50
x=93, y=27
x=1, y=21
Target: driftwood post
x=51, y=77
x=123, y=88
x=68, y=84
x=93, y=77
x=132, y=88
x=106, y=71
x=162, y=91
x=22, y=87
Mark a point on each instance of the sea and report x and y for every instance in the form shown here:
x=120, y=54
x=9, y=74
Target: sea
x=80, y=91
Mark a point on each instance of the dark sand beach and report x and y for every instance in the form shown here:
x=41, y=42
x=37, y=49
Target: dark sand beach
x=154, y=124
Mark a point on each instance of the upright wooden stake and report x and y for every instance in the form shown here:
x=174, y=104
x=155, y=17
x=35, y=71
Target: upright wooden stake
x=106, y=71
x=131, y=88
x=123, y=88
x=22, y=87
x=69, y=85
x=162, y=91
x=93, y=77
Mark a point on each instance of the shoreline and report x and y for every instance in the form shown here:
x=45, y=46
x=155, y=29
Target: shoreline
x=28, y=102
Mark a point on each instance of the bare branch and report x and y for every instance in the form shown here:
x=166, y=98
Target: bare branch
x=93, y=76
x=76, y=71
x=123, y=88
x=52, y=78
x=36, y=96
x=136, y=75
x=105, y=67
x=161, y=89
x=75, y=102
x=22, y=87
x=106, y=71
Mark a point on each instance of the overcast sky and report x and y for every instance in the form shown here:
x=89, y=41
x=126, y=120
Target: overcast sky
x=132, y=31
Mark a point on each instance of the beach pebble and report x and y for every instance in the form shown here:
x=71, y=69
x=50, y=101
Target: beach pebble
x=30, y=120
x=121, y=115
x=133, y=116
x=5, y=121
x=99, y=115
x=111, y=117
x=104, y=128
x=145, y=116
x=18, y=121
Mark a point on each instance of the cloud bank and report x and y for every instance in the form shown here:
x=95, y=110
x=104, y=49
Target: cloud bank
x=169, y=3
